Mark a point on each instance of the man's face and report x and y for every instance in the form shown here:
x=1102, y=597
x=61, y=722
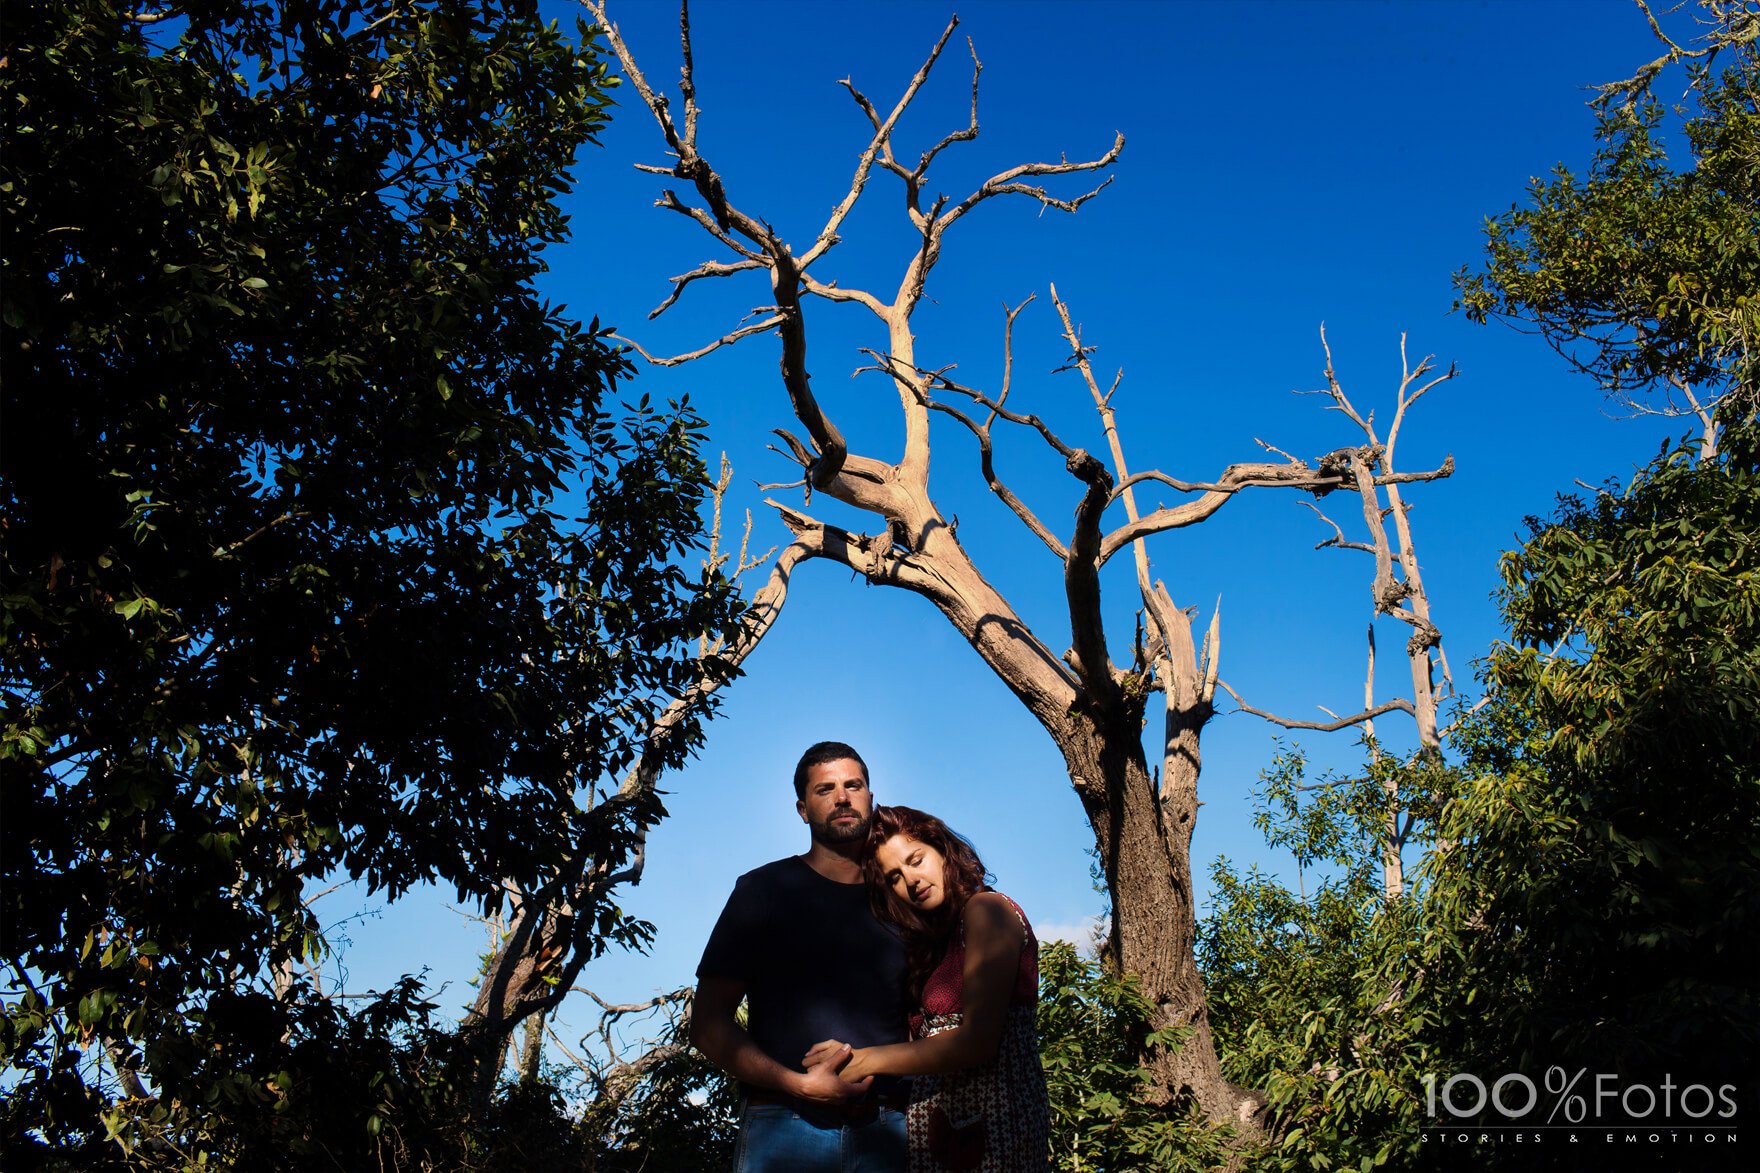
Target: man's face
x=838, y=805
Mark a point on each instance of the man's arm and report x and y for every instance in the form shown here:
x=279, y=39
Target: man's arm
x=717, y=1034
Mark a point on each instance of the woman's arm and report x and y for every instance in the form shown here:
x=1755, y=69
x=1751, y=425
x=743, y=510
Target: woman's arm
x=994, y=939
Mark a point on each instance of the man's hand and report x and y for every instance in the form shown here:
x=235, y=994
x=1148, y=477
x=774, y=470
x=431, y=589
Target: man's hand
x=822, y=1084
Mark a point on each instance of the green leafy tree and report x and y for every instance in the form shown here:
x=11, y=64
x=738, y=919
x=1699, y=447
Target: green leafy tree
x=1645, y=276
x=321, y=554
x=1095, y=1027
x=1595, y=882
x=1306, y=985
x=1607, y=871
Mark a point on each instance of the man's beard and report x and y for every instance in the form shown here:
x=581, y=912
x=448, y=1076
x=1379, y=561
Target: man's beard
x=835, y=832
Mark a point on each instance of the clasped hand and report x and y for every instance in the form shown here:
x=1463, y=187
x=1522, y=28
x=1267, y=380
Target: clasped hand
x=848, y=1064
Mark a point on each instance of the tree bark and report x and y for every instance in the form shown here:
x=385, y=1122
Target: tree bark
x=1144, y=847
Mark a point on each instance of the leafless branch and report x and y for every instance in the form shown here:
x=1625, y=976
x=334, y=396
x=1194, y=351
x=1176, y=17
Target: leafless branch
x=1081, y=579
x=550, y=1030
x=725, y=340
x=785, y=283
x=830, y=292
x=988, y=468
x=619, y=1010
x=670, y=201
x=727, y=218
x=1279, y=451
x=1396, y=703
x=1191, y=486
x=882, y=140
x=1233, y=479
x=940, y=380
x=687, y=82
x=1733, y=24
x=706, y=269
x=1004, y=184
x=1445, y=469
x=1008, y=352
x=615, y=1077
x=1338, y=539
x=313, y=899
x=966, y=135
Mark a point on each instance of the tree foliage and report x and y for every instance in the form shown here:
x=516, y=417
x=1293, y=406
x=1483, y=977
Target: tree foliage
x=1305, y=1002
x=1596, y=875
x=322, y=552
x=1608, y=872
x=1095, y=1027
x=1643, y=275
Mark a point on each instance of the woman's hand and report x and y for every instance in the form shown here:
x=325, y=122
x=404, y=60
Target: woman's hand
x=823, y=1051
x=852, y=1064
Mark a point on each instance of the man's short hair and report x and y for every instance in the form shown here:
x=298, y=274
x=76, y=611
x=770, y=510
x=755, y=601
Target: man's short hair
x=818, y=755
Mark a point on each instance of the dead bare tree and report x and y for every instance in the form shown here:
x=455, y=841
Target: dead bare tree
x=542, y=944
x=1092, y=709
x=1397, y=590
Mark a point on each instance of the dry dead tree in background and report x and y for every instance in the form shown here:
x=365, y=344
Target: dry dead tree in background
x=1370, y=468
x=1092, y=708
x=540, y=946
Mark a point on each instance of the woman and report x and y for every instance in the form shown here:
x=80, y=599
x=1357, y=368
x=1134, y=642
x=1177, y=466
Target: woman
x=978, y=1101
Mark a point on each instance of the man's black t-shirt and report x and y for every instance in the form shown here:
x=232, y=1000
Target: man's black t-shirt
x=816, y=963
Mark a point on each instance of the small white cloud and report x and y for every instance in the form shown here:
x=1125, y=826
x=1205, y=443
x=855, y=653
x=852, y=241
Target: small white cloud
x=1084, y=934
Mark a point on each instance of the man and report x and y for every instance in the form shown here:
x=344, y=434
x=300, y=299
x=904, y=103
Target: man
x=798, y=942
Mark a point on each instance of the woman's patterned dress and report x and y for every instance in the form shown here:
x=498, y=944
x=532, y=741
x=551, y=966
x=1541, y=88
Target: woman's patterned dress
x=993, y=1118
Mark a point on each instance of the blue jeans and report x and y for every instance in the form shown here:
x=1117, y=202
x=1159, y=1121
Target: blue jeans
x=774, y=1138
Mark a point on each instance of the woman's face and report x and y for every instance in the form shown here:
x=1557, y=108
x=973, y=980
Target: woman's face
x=914, y=871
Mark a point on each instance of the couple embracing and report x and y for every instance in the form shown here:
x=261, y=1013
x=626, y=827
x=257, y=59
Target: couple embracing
x=890, y=996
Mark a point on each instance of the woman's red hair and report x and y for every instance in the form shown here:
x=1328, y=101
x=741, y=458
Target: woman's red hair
x=926, y=934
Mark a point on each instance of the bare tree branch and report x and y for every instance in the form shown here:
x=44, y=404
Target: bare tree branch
x=966, y=135
x=1233, y=479
x=1398, y=703
x=725, y=340
x=882, y=139
x=1338, y=539
x=1454, y=724
x=1081, y=580
x=785, y=283
x=904, y=370
x=690, y=165
x=830, y=292
x=1004, y=184
x=706, y=269
x=988, y=468
x=1732, y=24
x=687, y=81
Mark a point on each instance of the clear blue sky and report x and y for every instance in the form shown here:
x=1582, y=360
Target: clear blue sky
x=1287, y=164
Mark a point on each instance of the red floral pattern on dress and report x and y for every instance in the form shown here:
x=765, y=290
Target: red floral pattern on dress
x=993, y=1118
